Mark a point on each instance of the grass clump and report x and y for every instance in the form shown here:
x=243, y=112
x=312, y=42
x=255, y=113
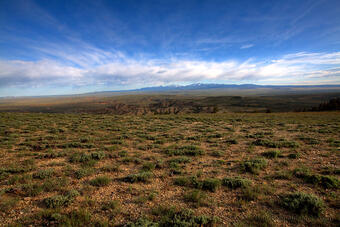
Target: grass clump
x=183, y=181
x=54, y=184
x=142, y=222
x=180, y=160
x=250, y=193
x=83, y=172
x=272, y=154
x=100, y=181
x=189, y=150
x=254, y=165
x=236, y=182
x=148, y=166
x=58, y=201
x=171, y=216
x=31, y=190
x=209, y=184
x=84, y=158
x=276, y=144
x=138, y=177
x=316, y=179
x=302, y=203
x=110, y=168
x=261, y=219
x=293, y=155
x=23, y=179
x=97, y=155
x=42, y=174
x=76, y=218
x=196, y=197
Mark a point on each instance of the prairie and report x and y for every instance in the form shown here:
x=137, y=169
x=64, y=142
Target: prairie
x=210, y=169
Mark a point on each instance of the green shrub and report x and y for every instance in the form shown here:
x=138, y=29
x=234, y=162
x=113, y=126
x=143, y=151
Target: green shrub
x=211, y=184
x=45, y=173
x=31, y=189
x=111, y=168
x=293, y=155
x=57, y=201
x=250, y=193
x=148, y=166
x=78, y=218
x=97, y=155
x=138, y=177
x=100, y=181
x=54, y=184
x=189, y=150
x=302, y=203
x=180, y=160
x=72, y=193
x=197, y=197
x=80, y=157
x=83, y=172
x=276, y=144
x=142, y=222
x=182, y=181
x=132, y=159
x=87, y=159
x=323, y=181
x=261, y=219
x=254, y=165
x=236, y=182
x=329, y=182
x=23, y=179
x=271, y=154
x=170, y=216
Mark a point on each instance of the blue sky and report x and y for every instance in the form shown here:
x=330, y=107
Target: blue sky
x=65, y=47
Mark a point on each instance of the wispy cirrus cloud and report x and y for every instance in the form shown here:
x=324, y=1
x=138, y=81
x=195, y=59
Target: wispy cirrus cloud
x=246, y=46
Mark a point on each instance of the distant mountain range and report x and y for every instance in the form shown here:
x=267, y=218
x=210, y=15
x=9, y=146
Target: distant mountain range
x=224, y=89
x=203, y=86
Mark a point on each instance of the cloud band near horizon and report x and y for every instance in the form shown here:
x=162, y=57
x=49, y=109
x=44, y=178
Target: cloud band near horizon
x=118, y=70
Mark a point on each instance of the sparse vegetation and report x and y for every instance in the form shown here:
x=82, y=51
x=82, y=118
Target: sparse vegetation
x=100, y=181
x=253, y=165
x=271, y=154
x=93, y=169
x=302, y=203
x=236, y=182
x=138, y=177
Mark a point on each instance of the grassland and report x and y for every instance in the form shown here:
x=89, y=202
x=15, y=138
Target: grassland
x=225, y=169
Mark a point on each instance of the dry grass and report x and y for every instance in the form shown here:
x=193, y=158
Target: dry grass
x=126, y=169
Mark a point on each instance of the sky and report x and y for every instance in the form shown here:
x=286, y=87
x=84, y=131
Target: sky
x=69, y=47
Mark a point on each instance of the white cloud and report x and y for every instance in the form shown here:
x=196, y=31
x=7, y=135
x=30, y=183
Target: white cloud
x=111, y=68
x=246, y=46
